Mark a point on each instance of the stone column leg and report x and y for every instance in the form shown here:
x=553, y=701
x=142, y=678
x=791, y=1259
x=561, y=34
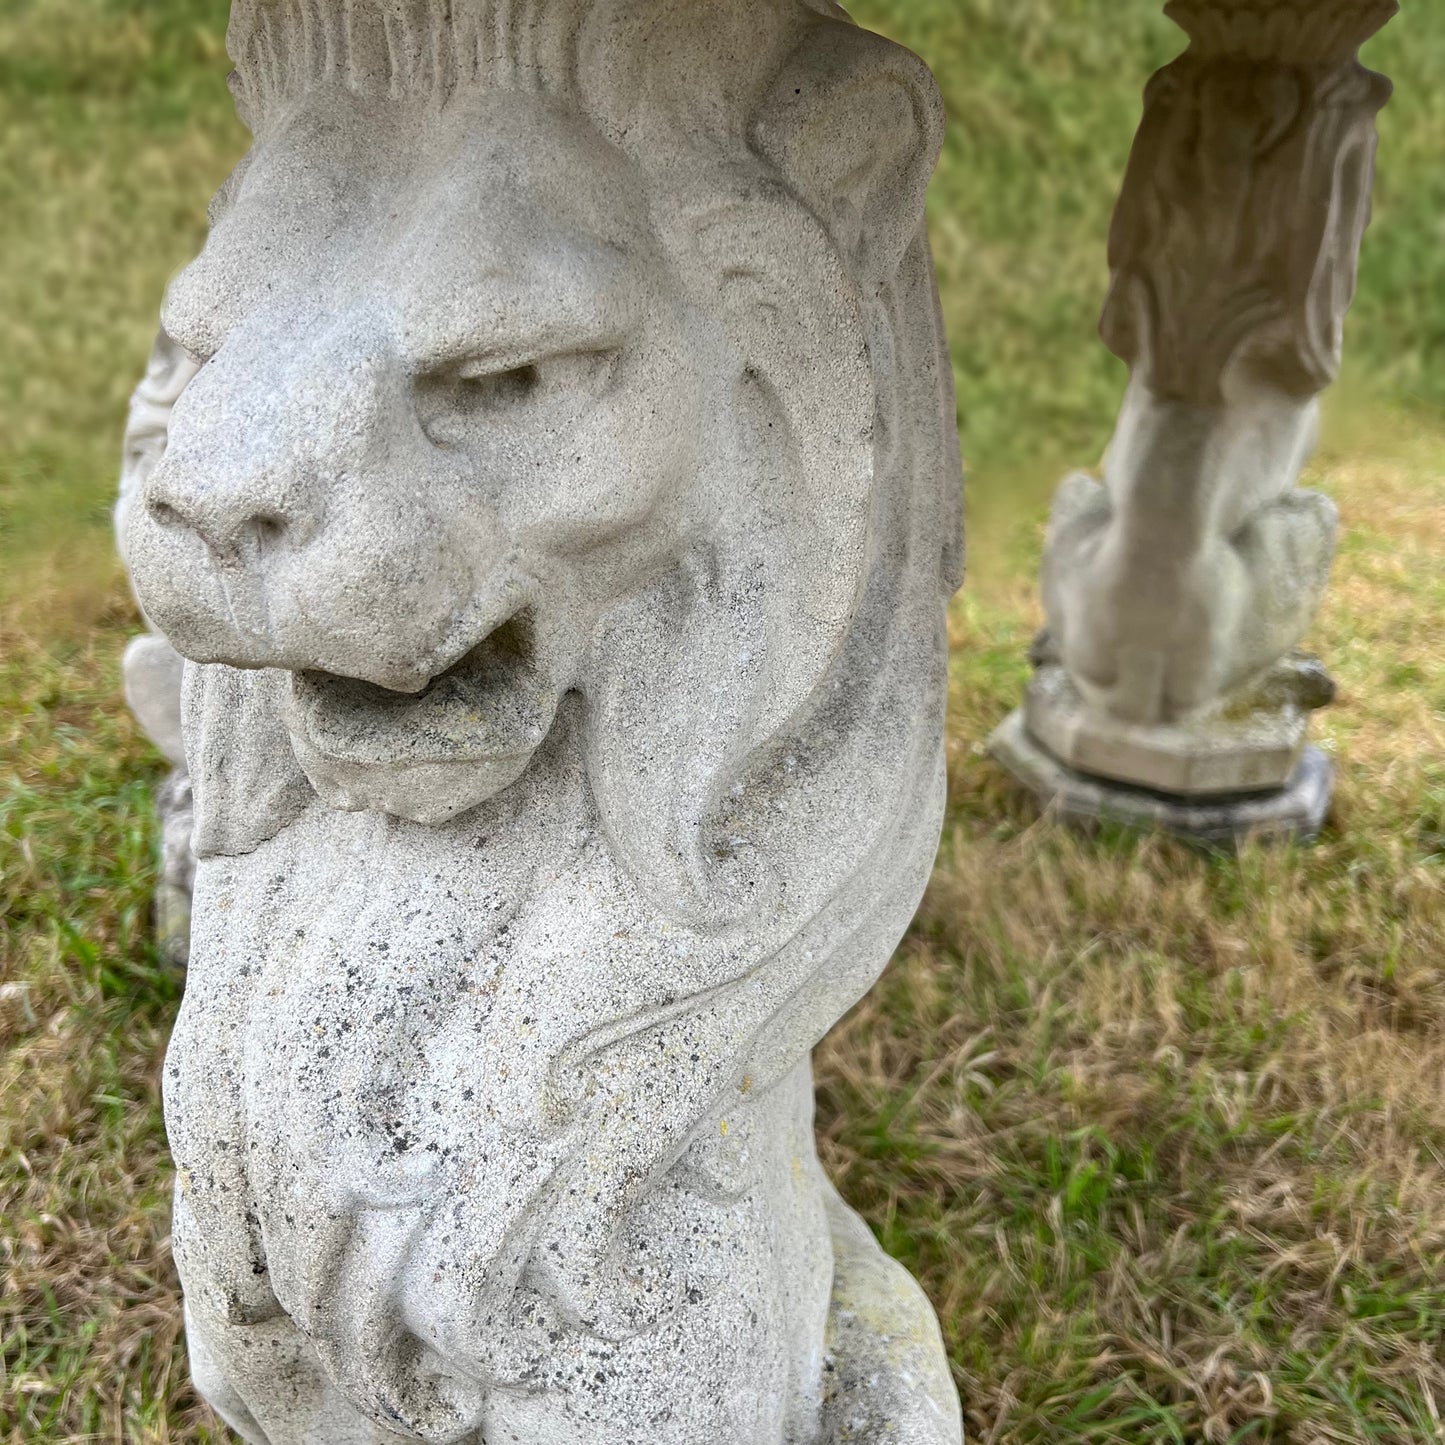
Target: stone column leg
x=1168, y=687
x=152, y=667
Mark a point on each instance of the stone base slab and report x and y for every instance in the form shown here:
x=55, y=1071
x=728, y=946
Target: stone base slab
x=1255, y=747
x=1295, y=812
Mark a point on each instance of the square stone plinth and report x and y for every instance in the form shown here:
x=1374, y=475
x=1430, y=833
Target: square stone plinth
x=1294, y=813
x=1254, y=749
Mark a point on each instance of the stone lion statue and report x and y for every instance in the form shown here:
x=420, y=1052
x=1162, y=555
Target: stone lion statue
x=559, y=528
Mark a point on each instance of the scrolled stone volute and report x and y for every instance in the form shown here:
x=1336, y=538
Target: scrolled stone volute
x=1237, y=235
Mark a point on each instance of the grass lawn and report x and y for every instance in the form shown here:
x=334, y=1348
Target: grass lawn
x=1163, y=1135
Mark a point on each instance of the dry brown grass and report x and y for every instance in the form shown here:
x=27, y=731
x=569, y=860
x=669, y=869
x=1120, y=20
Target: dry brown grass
x=1166, y=1134
x=88, y=1314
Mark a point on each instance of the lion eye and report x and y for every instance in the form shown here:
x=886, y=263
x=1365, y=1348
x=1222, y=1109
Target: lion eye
x=547, y=393
x=497, y=389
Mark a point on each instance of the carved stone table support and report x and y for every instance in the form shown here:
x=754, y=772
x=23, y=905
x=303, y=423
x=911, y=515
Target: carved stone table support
x=558, y=526
x=1168, y=689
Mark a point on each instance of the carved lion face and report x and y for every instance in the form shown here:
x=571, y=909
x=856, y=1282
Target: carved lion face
x=582, y=383
x=449, y=389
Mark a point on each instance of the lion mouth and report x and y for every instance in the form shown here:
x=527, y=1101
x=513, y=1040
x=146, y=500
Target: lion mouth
x=432, y=754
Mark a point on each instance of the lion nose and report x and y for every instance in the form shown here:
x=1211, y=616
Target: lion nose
x=236, y=517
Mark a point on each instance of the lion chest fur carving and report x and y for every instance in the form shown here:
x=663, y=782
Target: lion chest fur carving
x=559, y=528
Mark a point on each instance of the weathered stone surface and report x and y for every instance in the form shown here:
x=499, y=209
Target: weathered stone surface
x=151, y=671
x=1297, y=32
x=178, y=869
x=1294, y=813
x=1197, y=562
x=560, y=529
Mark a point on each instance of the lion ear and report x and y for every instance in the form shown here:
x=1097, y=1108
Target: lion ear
x=855, y=126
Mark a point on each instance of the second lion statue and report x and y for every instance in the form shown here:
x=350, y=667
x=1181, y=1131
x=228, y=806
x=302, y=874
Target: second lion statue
x=559, y=527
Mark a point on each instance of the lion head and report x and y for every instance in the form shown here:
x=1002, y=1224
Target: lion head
x=534, y=360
